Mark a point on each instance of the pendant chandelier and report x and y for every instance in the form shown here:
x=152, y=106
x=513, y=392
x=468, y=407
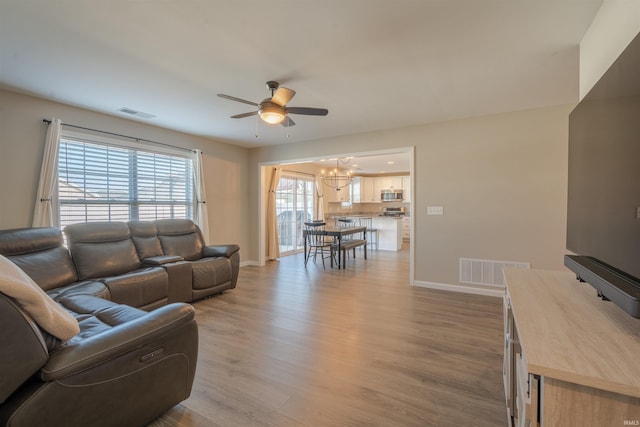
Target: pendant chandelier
x=336, y=178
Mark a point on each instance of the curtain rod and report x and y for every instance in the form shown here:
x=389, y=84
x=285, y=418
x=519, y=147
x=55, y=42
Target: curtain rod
x=300, y=173
x=48, y=122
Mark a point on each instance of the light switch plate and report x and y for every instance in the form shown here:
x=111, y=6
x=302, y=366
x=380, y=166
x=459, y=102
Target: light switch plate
x=435, y=210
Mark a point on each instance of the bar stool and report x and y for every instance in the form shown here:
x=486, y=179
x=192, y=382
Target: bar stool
x=349, y=243
x=372, y=233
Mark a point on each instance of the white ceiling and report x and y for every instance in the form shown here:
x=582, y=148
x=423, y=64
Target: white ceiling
x=375, y=64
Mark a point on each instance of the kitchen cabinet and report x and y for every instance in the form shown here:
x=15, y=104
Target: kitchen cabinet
x=406, y=189
x=390, y=182
x=370, y=192
x=356, y=190
x=364, y=190
x=389, y=232
x=406, y=228
x=342, y=195
x=570, y=359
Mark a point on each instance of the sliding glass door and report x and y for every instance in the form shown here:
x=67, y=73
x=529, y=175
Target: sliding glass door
x=294, y=206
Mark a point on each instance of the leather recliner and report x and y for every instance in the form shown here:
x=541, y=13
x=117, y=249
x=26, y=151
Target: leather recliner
x=125, y=367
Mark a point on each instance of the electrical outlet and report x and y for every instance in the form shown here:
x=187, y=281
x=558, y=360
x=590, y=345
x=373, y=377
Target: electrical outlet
x=435, y=210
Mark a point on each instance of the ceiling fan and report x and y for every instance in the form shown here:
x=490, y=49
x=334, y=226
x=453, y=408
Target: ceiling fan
x=274, y=110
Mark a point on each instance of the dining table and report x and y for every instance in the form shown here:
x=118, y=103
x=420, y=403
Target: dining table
x=338, y=233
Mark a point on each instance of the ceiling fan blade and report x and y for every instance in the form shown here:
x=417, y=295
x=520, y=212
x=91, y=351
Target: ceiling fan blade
x=243, y=115
x=233, y=98
x=308, y=111
x=287, y=122
x=282, y=96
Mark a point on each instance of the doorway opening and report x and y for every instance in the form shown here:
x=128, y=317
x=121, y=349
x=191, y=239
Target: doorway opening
x=311, y=167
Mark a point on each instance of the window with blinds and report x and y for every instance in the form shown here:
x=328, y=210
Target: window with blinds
x=101, y=182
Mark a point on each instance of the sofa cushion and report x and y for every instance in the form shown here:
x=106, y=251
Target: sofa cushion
x=94, y=288
x=180, y=237
x=145, y=237
x=40, y=253
x=96, y=315
x=102, y=249
x=51, y=317
x=140, y=288
x=209, y=272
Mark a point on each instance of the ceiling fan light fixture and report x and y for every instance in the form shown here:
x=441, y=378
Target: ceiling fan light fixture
x=271, y=114
x=274, y=110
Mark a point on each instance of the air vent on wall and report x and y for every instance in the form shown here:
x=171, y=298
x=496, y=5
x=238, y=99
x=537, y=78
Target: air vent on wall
x=486, y=272
x=136, y=113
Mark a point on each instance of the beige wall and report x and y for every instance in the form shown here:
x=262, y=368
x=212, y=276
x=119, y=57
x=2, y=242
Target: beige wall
x=501, y=180
x=22, y=145
x=613, y=28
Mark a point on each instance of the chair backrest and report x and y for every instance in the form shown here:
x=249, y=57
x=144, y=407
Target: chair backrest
x=40, y=253
x=346, y=222
x=314, y=235
x=101, y=249
x=366, y=222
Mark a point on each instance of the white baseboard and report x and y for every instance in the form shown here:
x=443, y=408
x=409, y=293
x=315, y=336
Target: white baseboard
x=498, y=293
x=252, y=263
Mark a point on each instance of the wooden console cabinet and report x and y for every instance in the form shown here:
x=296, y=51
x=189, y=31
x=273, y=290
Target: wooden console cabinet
x=570, y=358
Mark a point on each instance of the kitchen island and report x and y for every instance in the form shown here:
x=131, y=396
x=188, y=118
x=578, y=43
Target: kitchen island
x=389, y=232
x=389, y=229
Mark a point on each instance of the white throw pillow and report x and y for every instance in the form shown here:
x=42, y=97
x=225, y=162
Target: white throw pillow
x=50, y=316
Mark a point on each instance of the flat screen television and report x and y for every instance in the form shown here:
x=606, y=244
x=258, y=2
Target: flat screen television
x=603, y=212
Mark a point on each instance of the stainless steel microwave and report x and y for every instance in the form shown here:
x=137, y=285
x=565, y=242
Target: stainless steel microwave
x=391, y=195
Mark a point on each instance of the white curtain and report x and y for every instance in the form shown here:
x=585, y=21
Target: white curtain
x=201, y=216
x=273, y=243
x=45, y=212
x=319, y=199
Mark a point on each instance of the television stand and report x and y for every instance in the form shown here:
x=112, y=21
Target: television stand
x=569, y=360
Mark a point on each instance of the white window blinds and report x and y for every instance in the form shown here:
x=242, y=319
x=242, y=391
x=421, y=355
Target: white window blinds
x=102, y=182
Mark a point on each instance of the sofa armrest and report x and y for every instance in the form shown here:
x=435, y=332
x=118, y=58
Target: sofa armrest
x=220, y=250
x=162, y=260
x=95, y=350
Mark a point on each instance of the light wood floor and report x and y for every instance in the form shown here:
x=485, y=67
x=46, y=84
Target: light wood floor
x=358, y=347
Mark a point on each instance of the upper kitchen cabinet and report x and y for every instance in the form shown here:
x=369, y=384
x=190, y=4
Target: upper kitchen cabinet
x=390, y=182
x=356, y=190
x=365, y=190
x=342, y=195
x=406, y=188
x=370, y=192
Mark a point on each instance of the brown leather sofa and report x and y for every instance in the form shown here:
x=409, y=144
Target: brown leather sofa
x=127, y=365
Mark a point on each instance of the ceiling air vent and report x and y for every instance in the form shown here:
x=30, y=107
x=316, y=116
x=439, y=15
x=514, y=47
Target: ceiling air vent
x=136, y=113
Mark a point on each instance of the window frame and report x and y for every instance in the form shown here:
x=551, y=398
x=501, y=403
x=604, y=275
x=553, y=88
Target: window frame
x=133, y=204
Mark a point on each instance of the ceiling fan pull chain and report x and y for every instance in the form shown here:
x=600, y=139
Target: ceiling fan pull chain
x=257, y=126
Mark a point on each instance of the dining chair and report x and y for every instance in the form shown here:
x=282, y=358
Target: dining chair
x=317, y=240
